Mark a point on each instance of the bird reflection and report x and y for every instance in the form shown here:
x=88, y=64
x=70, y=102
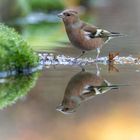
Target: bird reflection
x=82, y=87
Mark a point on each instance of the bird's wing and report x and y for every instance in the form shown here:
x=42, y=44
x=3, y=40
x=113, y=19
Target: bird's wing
x=95, y=32
x=89, y=30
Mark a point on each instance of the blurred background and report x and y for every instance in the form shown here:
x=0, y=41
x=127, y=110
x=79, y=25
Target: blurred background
x=111, y=116
x=38, y=23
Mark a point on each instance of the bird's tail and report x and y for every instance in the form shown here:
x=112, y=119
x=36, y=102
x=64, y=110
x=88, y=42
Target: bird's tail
x=115, y=34
x=115, y=86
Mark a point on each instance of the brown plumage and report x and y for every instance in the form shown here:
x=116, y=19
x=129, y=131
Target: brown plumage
x=85, y=36
x=82, y=87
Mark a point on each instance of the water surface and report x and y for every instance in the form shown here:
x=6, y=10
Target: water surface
x=105, y=116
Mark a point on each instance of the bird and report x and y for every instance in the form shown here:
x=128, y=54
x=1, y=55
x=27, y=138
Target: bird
x=82, y=87
x=85, y=36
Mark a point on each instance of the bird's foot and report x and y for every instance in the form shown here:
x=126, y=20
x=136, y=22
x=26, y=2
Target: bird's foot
x=83, y=52
x=75, y=60
x=97, y=59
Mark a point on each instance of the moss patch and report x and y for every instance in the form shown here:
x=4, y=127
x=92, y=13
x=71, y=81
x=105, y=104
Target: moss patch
x=15, y=88
x=15, y=53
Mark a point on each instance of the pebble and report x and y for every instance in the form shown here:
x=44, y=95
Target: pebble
x=51, y=59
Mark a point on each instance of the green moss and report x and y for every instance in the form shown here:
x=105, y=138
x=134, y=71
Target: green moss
x=15, y=88
x=15, y=53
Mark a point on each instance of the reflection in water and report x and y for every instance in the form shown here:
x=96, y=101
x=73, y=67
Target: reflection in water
x=82, y=87
x=112, y=67
x=15, y=87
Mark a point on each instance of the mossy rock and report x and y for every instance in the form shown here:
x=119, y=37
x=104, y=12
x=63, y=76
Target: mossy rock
x=15, y=53
x=15, y=88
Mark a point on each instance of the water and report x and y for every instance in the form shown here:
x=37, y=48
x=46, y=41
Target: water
x=34, y=116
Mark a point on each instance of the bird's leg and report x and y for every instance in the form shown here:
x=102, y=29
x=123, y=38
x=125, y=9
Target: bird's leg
x=97, y=70
x=75, y=59
x=83, y=69
x=83, y=52
x=98, y=53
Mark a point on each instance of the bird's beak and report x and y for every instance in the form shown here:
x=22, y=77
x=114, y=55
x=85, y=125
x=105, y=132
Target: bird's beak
x=60, y=15
x=59, y=108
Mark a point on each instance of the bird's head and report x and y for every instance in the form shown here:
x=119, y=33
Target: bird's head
x=69, y=16
x=65, y=109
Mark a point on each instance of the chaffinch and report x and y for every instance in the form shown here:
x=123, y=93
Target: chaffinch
x=84, y=36
x=82, y=87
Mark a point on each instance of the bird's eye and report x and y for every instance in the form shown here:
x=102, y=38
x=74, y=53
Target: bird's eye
x=67, y=14
x=66, y=109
